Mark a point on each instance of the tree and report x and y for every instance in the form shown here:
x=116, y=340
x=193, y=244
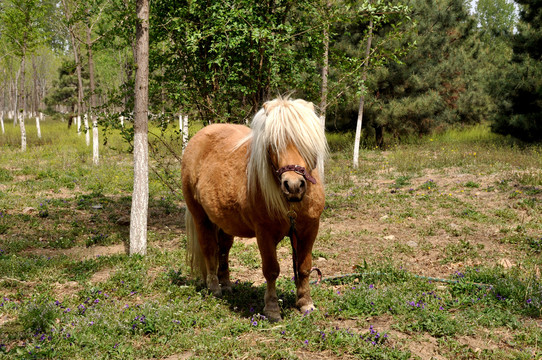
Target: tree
x=72, y=30
x=363, y=91
x=140, y=198
x=64, y=89
x=18, y=24
x=325, y=62
x=496, y=18
x=435, y=84
x=92, y=80
x=222, y=60
x=90, y=15
x=520, y=84
x=383, y=26
x=23, y=23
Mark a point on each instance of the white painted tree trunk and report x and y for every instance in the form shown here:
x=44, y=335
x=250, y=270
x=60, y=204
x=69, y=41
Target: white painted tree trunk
x=78, y=124
x=185, y=131
x=87, y=129
x=23, y=133
x=121, y=121
x=2, y=122
x=38, y=126
x=92, y=83
x=21, y=89
x=140, y=197
x=95, y=141
x=362, y=97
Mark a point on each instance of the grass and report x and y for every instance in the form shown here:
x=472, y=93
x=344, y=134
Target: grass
x=67, y=290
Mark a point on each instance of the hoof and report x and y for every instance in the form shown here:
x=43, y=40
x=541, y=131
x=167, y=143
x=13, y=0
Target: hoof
x=215, y=290
x=214, y=286
x=226, y=289
x=272, y=314
x=307, y=309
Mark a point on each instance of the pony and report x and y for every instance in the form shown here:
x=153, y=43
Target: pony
x=264, y=182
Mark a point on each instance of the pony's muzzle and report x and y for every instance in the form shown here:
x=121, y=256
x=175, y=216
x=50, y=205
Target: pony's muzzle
x=294, y=188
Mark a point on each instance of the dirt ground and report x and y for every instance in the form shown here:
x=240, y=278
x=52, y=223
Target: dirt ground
x=407, y=226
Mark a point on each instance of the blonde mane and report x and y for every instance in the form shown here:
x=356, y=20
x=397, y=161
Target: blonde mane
x=279, y=123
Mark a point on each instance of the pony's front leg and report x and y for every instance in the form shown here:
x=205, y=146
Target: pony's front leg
x=271, y=271
x=304, y=260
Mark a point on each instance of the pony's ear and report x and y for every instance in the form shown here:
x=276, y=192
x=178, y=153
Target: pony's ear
x=306, y=104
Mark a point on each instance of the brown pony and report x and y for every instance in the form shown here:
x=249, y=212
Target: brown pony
x=240, y=181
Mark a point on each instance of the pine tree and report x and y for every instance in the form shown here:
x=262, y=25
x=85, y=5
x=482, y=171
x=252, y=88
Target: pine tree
x=64, y=89
x=435, y=85
x=520, y=84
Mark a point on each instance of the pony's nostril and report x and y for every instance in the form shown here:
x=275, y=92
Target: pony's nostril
x=286, y=185
x=302, y=183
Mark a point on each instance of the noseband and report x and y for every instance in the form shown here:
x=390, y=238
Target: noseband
x=298, y=170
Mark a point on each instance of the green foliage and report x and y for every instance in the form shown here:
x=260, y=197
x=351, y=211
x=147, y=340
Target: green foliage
x=518, y=85
x=38, y=316
x=23, y=23
x=132, y=307
x=64, y=89
x=401, y=181
x=463, y=249
x=496, y=18
x=222, y=60
x=5, y=175
x=428, y=185
x=435, y=84
x=472, y=184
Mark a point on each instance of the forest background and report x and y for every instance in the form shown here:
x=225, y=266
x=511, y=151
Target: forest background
x=411, y=68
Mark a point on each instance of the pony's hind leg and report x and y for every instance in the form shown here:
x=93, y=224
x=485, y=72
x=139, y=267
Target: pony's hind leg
x=225, y=243
x=208, y=242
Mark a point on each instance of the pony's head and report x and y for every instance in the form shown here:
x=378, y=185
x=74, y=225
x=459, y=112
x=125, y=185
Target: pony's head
x=288, y=144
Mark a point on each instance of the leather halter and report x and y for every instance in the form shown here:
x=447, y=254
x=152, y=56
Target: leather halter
x=298, y=169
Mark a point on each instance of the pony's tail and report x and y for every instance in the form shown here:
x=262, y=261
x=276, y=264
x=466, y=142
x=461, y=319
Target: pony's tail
x=194, y=256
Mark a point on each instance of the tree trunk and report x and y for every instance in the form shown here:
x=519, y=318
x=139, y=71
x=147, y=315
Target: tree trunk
x=185, y=131
x=21, y=120
x=38, y=126
x=3, y=109
x=140, y=197
x=79, y=80
x=362, y=97
x=379, y=136
x=75, y=47
x=93, y=118
x=87, y=129
x=34, y=88
x=16, y=99
x=325, y=71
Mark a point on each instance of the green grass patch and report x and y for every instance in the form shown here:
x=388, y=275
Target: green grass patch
x=56, y=208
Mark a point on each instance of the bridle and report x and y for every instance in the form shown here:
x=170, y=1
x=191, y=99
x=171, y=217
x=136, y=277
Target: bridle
x=292, y=233
x=298, y=169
